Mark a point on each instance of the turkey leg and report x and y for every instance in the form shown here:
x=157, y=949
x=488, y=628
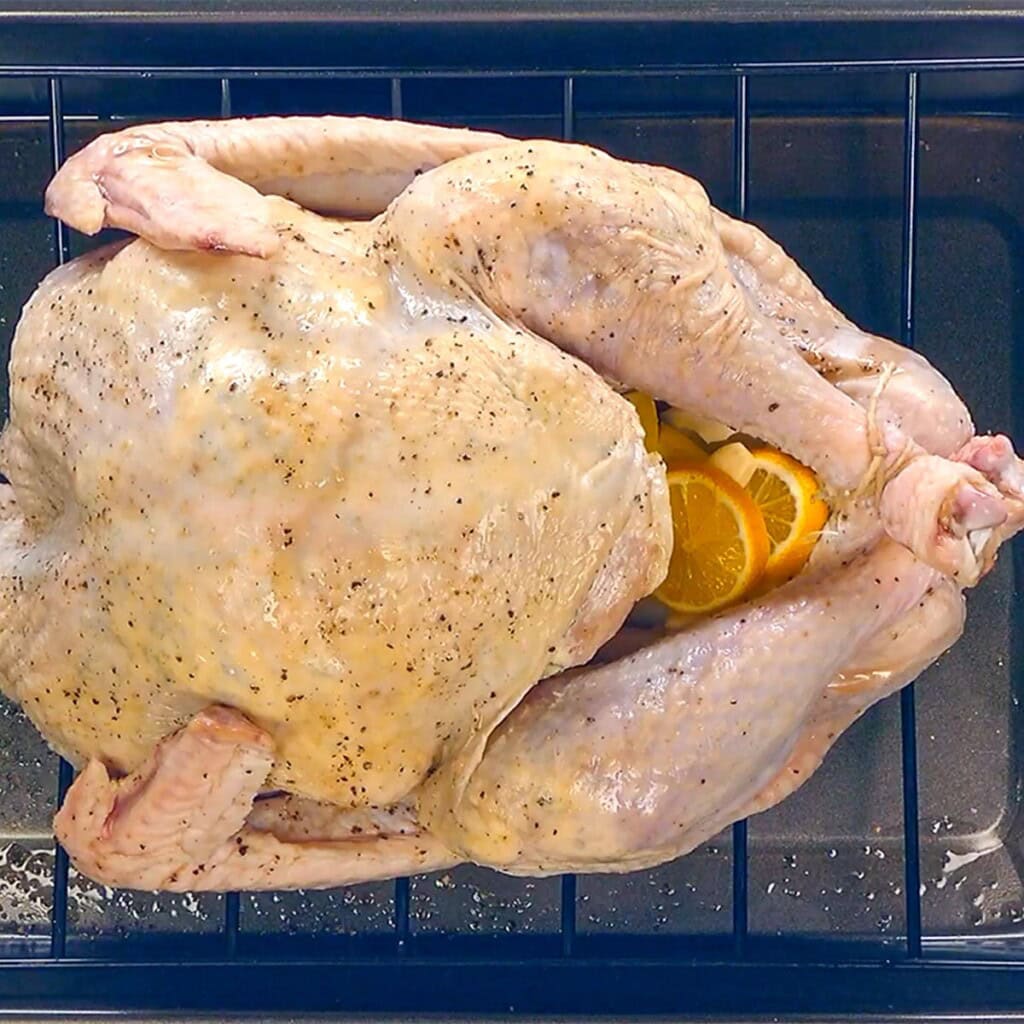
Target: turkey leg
x=559, y=787
x=895, y=656
x=906, y=388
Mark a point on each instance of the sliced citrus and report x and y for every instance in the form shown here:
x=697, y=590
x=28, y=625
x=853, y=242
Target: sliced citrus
x=787, y=493
x=648, y=413
x=720, y=545
x=675, y=447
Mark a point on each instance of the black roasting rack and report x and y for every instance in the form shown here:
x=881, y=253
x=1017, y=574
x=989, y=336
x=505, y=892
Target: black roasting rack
x=888, y=141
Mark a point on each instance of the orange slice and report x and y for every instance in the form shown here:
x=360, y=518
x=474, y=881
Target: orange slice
x=720, y=545
x=648, y=413
x=787, y=494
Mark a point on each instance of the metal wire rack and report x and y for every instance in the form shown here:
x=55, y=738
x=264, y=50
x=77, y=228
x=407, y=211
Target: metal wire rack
x=741, y=976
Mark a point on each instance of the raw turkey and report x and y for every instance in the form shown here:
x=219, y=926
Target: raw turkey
x=323, y=496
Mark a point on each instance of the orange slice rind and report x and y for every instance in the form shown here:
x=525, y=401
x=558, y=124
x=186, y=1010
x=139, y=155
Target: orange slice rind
x=788, y=496
x=720, y=545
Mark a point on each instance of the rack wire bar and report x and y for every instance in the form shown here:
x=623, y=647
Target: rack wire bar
x=232, y=915
x=908, y=714
x=568, y=915
x=568, y=109
x=403, y=893
x=225, y=97
x=232, y=900
x=567, y=920
x=402, y=898
x=55, y=119
x=749, y=68
x=59, y=911
x=741, y=155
